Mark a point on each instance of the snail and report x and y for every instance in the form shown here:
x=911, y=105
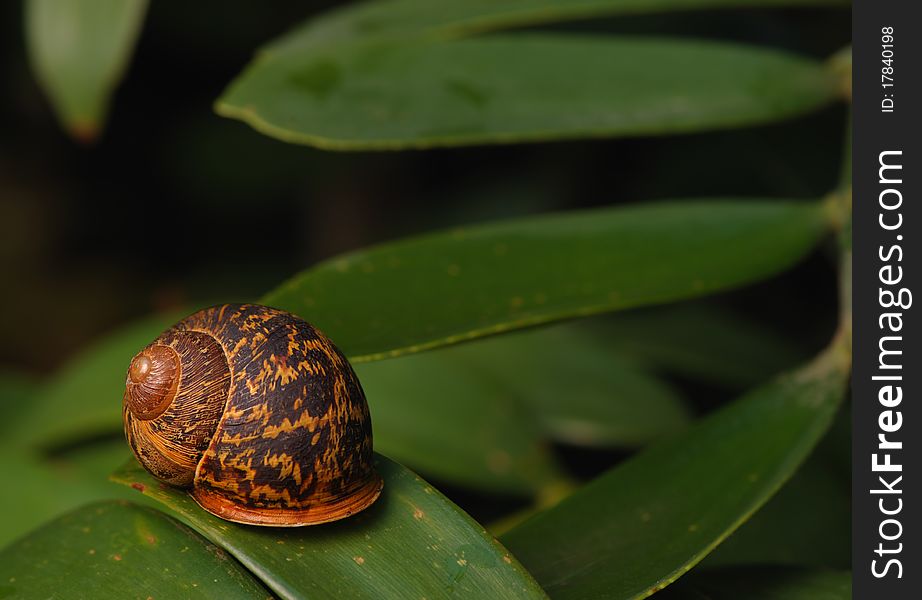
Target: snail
x=256, y=411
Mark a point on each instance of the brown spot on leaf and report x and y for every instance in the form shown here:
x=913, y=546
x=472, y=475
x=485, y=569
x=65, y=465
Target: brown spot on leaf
x=138, y=486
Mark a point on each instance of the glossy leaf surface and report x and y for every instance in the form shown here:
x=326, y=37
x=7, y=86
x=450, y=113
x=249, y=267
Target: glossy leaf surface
x=121, y=550
x=517, y=88
x=808, y=522
x=480, y=414
x=576, y=385
x=639, y=527
x=432, y=412
x=437, y=289
x=79, y=50
x=47, y=486
x=441, y=551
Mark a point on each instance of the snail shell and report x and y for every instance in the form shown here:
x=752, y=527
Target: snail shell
x=258, y=412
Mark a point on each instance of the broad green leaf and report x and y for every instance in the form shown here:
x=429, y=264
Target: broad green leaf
x=46, y=487
x=476, y=414
x=38, y=494
x=84, y=399
x=446, y=287
x=763, y=583
x=121, y=550
x=580, y=390
x=79, y=50
x=412, y=543
x=431, y=412
x=363, y=21
x=808, y=522
x=701, y=342
x=642, y=525
x=517, y=88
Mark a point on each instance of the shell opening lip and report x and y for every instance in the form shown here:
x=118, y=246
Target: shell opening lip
x=316, y=513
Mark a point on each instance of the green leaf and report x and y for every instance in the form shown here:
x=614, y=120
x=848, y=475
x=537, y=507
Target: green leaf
x=79, y=50
x=701, y=342
x=639, y=527
x=46, y=487
x=517, y=88
x=442, y=19
x=808, y=522
x=39, y=494
x=121, y=550
x=763, y=583
x=84, y=399
x=438, y=416
x=437, y=289
x=476, y=414
x=575, y=384
x=413, y=542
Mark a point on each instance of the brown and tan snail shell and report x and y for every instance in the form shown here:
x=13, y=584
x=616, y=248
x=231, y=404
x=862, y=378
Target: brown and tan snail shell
x=256, y=411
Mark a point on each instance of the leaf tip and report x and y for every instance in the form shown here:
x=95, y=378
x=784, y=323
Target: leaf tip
x=85, y=132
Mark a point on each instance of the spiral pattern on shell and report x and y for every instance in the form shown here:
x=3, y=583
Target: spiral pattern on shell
x=259, y=412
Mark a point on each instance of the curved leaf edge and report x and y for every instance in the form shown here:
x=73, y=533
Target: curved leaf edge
x=835, y=360
x=126, y=475
x=823, y=216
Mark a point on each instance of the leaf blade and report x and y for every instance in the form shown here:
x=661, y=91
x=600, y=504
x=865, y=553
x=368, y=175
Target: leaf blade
x=580, y=389
x=111, y=547
x=653, y=518
x=518, y=88
x=808, y=522
x=434, y=290
x=411, y=523
x=79, y=49
x=433, y=413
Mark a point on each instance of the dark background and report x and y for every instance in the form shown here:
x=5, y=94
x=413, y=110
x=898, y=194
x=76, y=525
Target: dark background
x=160, y=212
